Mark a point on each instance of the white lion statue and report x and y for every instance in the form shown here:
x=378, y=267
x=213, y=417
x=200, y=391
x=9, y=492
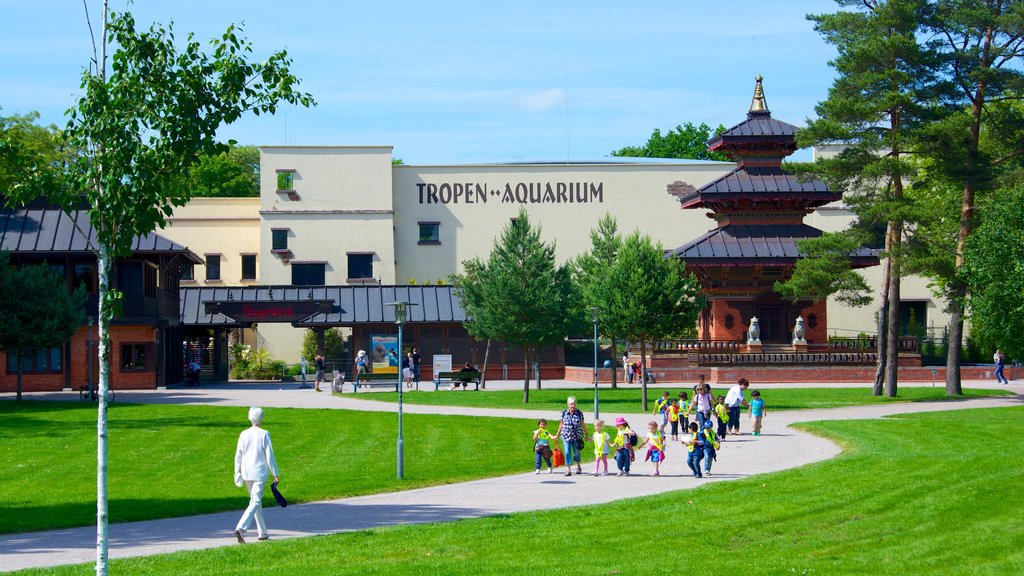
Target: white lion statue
x=798, y=331
x=754, y=332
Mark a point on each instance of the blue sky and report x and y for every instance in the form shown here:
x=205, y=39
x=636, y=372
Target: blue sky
x=461, y=81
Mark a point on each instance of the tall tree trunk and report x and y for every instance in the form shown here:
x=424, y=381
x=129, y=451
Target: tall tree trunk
x=615, y=371
x=17, y=356
x=526, y=375
x=101, y=418
x=536, y=362
x=893, y=316
x=483, y=373
x=956, y=334
x=883, y=314
x=643, y=373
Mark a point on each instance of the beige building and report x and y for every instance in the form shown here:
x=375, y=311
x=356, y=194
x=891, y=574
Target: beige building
x=348, y=216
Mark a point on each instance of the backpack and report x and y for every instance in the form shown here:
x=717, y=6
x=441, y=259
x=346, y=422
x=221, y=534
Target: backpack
x=699, y=443
x=633, y=439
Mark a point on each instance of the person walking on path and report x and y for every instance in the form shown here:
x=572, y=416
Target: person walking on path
x=254, y=461
x=627, y=370
x=542, y=446
x=734, y=401
x=711, y=446
x=416, y=367
x=601, y=447
x=703, y=402
x=694, y=449
x=624, y=443
x=319, y=361
x=1000, y=361
x=571, y=430
x=757, y=411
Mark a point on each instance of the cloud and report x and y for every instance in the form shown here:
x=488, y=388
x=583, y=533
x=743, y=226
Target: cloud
x=542, y=100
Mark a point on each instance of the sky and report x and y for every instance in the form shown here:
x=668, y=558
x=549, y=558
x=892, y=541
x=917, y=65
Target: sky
x=451, y=82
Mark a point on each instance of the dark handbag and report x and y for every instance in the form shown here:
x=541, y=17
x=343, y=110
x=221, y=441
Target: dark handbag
x=578, y=444
x=277, y=496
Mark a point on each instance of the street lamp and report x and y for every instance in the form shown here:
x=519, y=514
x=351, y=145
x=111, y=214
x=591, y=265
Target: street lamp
x=595, y=314
x=401, y=309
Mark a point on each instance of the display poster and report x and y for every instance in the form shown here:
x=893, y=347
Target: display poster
x=442, y=363
x=384, y=354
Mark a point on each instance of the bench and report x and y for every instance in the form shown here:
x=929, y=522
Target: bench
x=377, y=379
x=457, y=378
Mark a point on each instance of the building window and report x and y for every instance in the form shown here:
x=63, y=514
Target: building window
x=189, y=272
x=430, y=233
x=360, y=265
x=279, y=239
x=285, y=180
x=48, y=360
x=85, y=275
x=248, y=266
x=134, y=357
x=308, y=273
x=213, y=266
x=150, y=280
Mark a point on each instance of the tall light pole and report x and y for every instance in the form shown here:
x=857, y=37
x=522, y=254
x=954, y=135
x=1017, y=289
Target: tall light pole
x=595, y=314
x=401, y=309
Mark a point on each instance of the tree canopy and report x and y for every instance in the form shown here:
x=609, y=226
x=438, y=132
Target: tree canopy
x=684, y=141
x=27, y=151
x=230, y=174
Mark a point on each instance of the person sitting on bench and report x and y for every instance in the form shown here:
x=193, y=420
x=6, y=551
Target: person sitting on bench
x=465, y=381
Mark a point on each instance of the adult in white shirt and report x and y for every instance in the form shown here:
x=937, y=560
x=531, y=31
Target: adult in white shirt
x=254, y=461
x=734, y=400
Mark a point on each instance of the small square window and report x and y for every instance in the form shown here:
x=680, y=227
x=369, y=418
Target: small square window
x=213, y=266
x=308, y=274
x=248, y=266
x=189, y=273
x=286, y=180
x=430, y=233
x=279, y=239
x=133, y=357
x=360, y=266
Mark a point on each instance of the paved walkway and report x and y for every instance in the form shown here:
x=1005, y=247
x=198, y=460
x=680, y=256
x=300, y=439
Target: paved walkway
x=779, y=448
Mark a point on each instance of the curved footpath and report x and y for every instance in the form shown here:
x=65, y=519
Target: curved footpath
x=780, y=447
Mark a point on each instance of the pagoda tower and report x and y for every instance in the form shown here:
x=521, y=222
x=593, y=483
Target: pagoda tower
x=759, y=209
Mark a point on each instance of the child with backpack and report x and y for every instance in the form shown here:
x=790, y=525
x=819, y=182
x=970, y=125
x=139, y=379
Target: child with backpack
x=694, y=449
x=684, y=411
x=656, y=446
x=660, y=410
x=624, y=442
x=673, y=418
x=711, y=446
x=601, y=447
x=722, y=413
x=757, y=411
x=542, y=446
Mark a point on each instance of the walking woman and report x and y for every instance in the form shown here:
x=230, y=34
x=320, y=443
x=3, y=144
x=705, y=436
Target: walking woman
x=572, y=430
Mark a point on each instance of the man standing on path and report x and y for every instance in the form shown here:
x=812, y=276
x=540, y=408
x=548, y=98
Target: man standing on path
x=734, y=401
x=319, y=370
x=571, y=430
x=1000, y=362
x=416, y=367
x=254, y=460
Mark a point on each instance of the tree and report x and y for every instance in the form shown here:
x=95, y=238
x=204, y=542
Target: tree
x=879, y=107
x=145, y=118
x=590, y=275
x=519, y=295
x=982, y=47
x=824, y=270
x=27, y=150
x=37, y=311
x=651, y=296
x=995, y=272
x=334, y=344
x=231, y=174
x=685, y=141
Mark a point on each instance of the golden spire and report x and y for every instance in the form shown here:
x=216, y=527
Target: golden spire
x=758, y=104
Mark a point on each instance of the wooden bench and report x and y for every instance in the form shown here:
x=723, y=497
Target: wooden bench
x=460, y=377
x=378, y=379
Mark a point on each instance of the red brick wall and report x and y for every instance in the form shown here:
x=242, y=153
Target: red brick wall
x=78, y=364
x=719, y=310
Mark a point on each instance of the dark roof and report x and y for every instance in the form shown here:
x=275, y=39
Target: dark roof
x=51, y=230
x=760, y=124
x=352, y=304
x=768, y=245
x=760, y=183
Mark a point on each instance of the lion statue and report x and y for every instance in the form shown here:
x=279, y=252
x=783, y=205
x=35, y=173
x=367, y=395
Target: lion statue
x=798, y=331
x=754, y=332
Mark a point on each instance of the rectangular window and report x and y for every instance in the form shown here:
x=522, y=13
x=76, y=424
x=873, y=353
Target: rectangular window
x=308, y=273
x=360, y=265
x=285, y=180
x=133, y=357
x=85, y=275
x=279, y=239
x=189, y=273
x=248, y=266
x=213, y=266
x=47, y=360
x=150, y=281
x=430, y=232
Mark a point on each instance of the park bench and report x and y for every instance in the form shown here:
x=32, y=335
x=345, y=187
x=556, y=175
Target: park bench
x=457, y=377
x=378, y=379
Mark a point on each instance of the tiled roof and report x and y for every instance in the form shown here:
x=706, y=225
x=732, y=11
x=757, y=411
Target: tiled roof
x=770, y=245
x=759, y=183
x=51, y=230
x=758, y=124
x=352, y=304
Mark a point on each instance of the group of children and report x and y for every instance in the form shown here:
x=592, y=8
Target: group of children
x=701, y=439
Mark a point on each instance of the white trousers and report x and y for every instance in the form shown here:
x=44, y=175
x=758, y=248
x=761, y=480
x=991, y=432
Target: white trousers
x=255, y=509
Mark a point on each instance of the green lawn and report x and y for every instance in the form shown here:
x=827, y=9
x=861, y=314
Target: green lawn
x=627, y=401
x=177, y=460
x=934, y=493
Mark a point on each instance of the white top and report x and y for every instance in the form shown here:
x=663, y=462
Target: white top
x=734, y=397
x=703, y=402
x=254, y=457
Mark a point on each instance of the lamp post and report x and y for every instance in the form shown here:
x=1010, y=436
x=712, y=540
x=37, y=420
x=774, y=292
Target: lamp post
x=401, y=309
x=595, y=314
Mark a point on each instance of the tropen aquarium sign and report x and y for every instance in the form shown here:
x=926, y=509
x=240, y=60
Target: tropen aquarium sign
x=509, y=193
x=279, y=311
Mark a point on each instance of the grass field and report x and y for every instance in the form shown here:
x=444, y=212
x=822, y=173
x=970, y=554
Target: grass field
x=177, y=460
x=627, y=401
x=918, y=494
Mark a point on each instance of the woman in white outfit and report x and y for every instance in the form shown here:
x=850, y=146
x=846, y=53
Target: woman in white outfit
x=254, y=461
